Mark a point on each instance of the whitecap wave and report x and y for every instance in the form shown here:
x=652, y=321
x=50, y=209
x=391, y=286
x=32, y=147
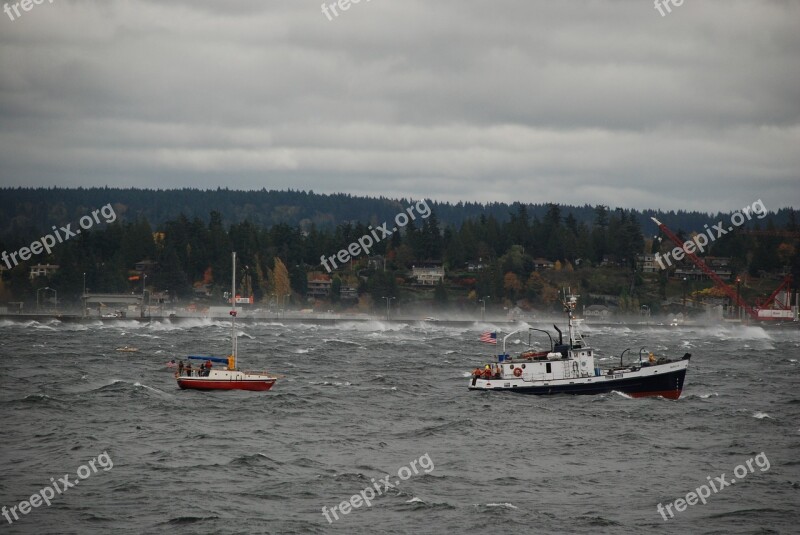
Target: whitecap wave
x=137, y=384
x=739, y=332
x=505, y=505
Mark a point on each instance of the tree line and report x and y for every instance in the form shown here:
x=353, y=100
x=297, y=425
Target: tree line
x=483, y=255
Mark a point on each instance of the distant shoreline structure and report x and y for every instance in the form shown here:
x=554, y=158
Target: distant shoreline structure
x=322, y=319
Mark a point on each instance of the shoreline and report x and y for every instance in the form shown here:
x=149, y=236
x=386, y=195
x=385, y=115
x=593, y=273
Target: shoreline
x=330, y=320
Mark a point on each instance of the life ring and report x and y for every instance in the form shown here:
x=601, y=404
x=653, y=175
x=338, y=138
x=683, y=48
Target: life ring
x=517, y=372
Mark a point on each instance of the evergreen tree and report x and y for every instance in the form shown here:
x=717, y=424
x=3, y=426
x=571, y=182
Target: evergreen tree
x=440, y=295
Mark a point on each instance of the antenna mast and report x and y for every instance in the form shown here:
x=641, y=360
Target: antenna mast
x=233, y=312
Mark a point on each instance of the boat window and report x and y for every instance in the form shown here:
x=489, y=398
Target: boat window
x=549, y=368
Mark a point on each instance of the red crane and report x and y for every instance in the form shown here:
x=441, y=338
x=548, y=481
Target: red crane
x=733, y=294
x=786, y=285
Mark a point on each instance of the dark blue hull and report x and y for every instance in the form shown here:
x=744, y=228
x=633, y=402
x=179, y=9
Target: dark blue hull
x=668, y=385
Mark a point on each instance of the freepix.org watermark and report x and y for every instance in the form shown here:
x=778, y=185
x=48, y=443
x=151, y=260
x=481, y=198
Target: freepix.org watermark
x=703, y=492
x=662, y=5
x=380, y=486
x=699, y=242
x=367, y=241
x=59, y=486
x=343, y=5
x=26, y=5
x=48, y=241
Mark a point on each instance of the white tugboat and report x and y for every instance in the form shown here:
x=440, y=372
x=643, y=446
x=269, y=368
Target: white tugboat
x=571, y=369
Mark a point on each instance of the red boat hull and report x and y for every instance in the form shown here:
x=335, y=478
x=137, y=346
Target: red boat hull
x=254, y=385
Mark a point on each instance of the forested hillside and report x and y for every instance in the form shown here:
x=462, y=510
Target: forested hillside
x=28, y=211
x=592, y=248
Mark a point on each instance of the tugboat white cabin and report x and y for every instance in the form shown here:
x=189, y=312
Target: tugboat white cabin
x=571, y=369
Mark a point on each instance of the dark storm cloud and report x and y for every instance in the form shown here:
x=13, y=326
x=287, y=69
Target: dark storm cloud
x=581, y=102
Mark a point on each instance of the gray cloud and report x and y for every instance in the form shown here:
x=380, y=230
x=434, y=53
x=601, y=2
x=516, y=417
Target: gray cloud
x=579, y=102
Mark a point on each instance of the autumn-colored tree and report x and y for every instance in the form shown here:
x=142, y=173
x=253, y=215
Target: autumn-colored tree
x=549, y=294
x=534, y=285
x=512, y=285
x=713, y=291
x=279, y=281
x=365, y=303
x=208, y=276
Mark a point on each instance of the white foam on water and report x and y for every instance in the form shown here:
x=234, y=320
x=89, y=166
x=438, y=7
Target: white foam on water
x=506, y=505
x=762, y=415
x=137, y=384
x=739, y=332
x=370, y=326
x=183, y=325
x=75, y=327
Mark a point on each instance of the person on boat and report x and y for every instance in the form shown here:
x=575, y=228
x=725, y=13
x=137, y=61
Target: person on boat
x=497, y=371
x=652, y=358
x=208, y=368
x=478, y=372
x=188, y=369
x=487, y=372
x=230, y=362
x=180, y=368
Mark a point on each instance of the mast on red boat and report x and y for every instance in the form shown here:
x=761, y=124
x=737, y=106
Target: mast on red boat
x=233, y=312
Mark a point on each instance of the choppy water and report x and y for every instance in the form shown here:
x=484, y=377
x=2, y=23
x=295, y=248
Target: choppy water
x=361, y=401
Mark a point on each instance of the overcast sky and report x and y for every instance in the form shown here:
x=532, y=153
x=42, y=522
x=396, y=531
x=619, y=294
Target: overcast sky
x=566, y=101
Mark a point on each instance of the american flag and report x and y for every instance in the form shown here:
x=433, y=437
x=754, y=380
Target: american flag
x=489, y=337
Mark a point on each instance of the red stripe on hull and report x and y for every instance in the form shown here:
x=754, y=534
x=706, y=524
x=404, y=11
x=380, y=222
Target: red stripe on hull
x=254, y=386
x=668, y=394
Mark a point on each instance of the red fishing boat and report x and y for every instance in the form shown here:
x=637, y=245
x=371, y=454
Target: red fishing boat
x=229, y=377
